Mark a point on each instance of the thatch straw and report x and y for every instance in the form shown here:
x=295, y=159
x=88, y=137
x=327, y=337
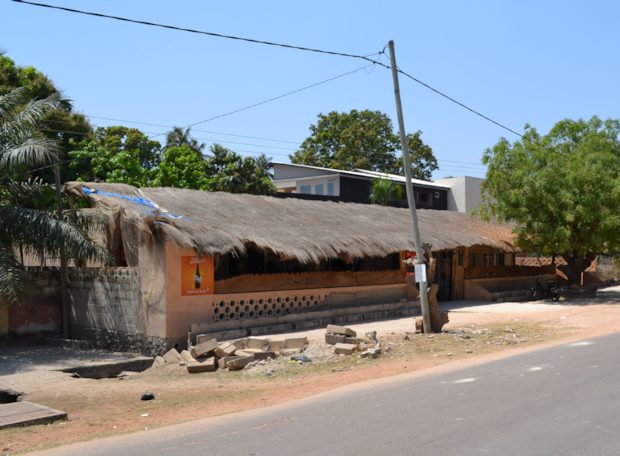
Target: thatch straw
x=306, y=230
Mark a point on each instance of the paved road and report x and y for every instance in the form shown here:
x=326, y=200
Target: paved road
x=563, y=400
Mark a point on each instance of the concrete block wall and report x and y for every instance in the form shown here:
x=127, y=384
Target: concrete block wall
x=106, y=299
x=107, y=310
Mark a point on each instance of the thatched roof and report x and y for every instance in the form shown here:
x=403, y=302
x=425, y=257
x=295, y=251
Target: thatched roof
x=217, y=222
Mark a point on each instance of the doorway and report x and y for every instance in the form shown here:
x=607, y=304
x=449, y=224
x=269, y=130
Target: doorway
x=443, y=274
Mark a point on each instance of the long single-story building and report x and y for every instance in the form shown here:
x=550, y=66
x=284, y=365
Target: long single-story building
x=229, y=262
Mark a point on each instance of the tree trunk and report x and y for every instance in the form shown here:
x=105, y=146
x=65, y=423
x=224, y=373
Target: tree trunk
x=575, y=265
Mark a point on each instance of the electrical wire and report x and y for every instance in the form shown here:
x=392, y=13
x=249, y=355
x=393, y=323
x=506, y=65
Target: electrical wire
x=200, y=32
x=269, y=100
x=282, y=45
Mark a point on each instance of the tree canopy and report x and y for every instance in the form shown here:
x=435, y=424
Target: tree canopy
x=227, y=171
x=362, y=139
x=116, y=154
x=181, y=167
x=562, y=190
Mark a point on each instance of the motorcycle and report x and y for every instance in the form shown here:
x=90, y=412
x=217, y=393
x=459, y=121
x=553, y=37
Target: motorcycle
x=550, y=290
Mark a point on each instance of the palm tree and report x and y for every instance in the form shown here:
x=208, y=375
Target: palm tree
x=179, y=137
x=26, y=227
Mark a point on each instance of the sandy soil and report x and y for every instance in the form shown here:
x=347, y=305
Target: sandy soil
x=475, y=334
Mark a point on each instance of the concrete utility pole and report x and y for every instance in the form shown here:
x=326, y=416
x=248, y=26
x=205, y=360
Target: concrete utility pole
x=419, y=253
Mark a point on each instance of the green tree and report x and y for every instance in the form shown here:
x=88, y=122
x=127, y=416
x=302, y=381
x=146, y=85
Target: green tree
x=385, y=191
x=24, y=228
x=181, y=167
x=562, y=190
x=229, y=172
x=117, y=154
x=362, y=139
x=67, y=127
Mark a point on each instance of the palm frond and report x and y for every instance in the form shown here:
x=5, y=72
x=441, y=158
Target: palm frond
x=28, y=117
x=32, y=151
x=40, y=232
x=10, y=101
x=11, y=277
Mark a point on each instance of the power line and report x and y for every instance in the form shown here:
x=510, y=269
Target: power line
x=268, y=100
x=200, y=32
x=282, y=45
x=260, y=138
x=462, y=105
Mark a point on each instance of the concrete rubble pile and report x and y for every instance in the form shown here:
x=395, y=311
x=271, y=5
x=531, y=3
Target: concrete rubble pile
x=346, y=341
x=209, y=355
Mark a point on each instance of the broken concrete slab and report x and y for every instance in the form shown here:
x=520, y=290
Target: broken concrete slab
x=159, y=361
x=187, y=357
x=239, y=363
x=295, y=342
x=208, y=365
x=371, y=352
x=289, y=351
x=343, y=330
x=240, y=343
x=27, y=413
x=204, y=349
x=172, y=356
x=345, y=349
x=225, y=349
x=112, y=369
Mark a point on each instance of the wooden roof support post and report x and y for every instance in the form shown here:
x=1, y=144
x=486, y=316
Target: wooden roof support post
x=409, y=186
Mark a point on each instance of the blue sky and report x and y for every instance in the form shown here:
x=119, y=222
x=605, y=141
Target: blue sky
x=518, y=62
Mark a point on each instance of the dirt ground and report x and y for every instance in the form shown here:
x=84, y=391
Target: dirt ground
x=475, y=334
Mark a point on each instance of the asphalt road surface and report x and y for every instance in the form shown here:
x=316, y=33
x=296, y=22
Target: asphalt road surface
x=563, y=400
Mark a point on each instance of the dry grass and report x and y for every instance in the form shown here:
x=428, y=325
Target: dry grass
x=218, y=223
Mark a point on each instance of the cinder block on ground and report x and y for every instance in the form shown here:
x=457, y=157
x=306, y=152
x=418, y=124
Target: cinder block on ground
x=246, y=352
x=172, y=356
x=343, y=330
x=239, y=363
x=295, y=342
x=276, y=345
x=208, y=365
x=222, y=361
x=204, y=349
x=344, y=349
x=225, y=349
x=333, y=339
x=257, y=343
x=419, y=325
